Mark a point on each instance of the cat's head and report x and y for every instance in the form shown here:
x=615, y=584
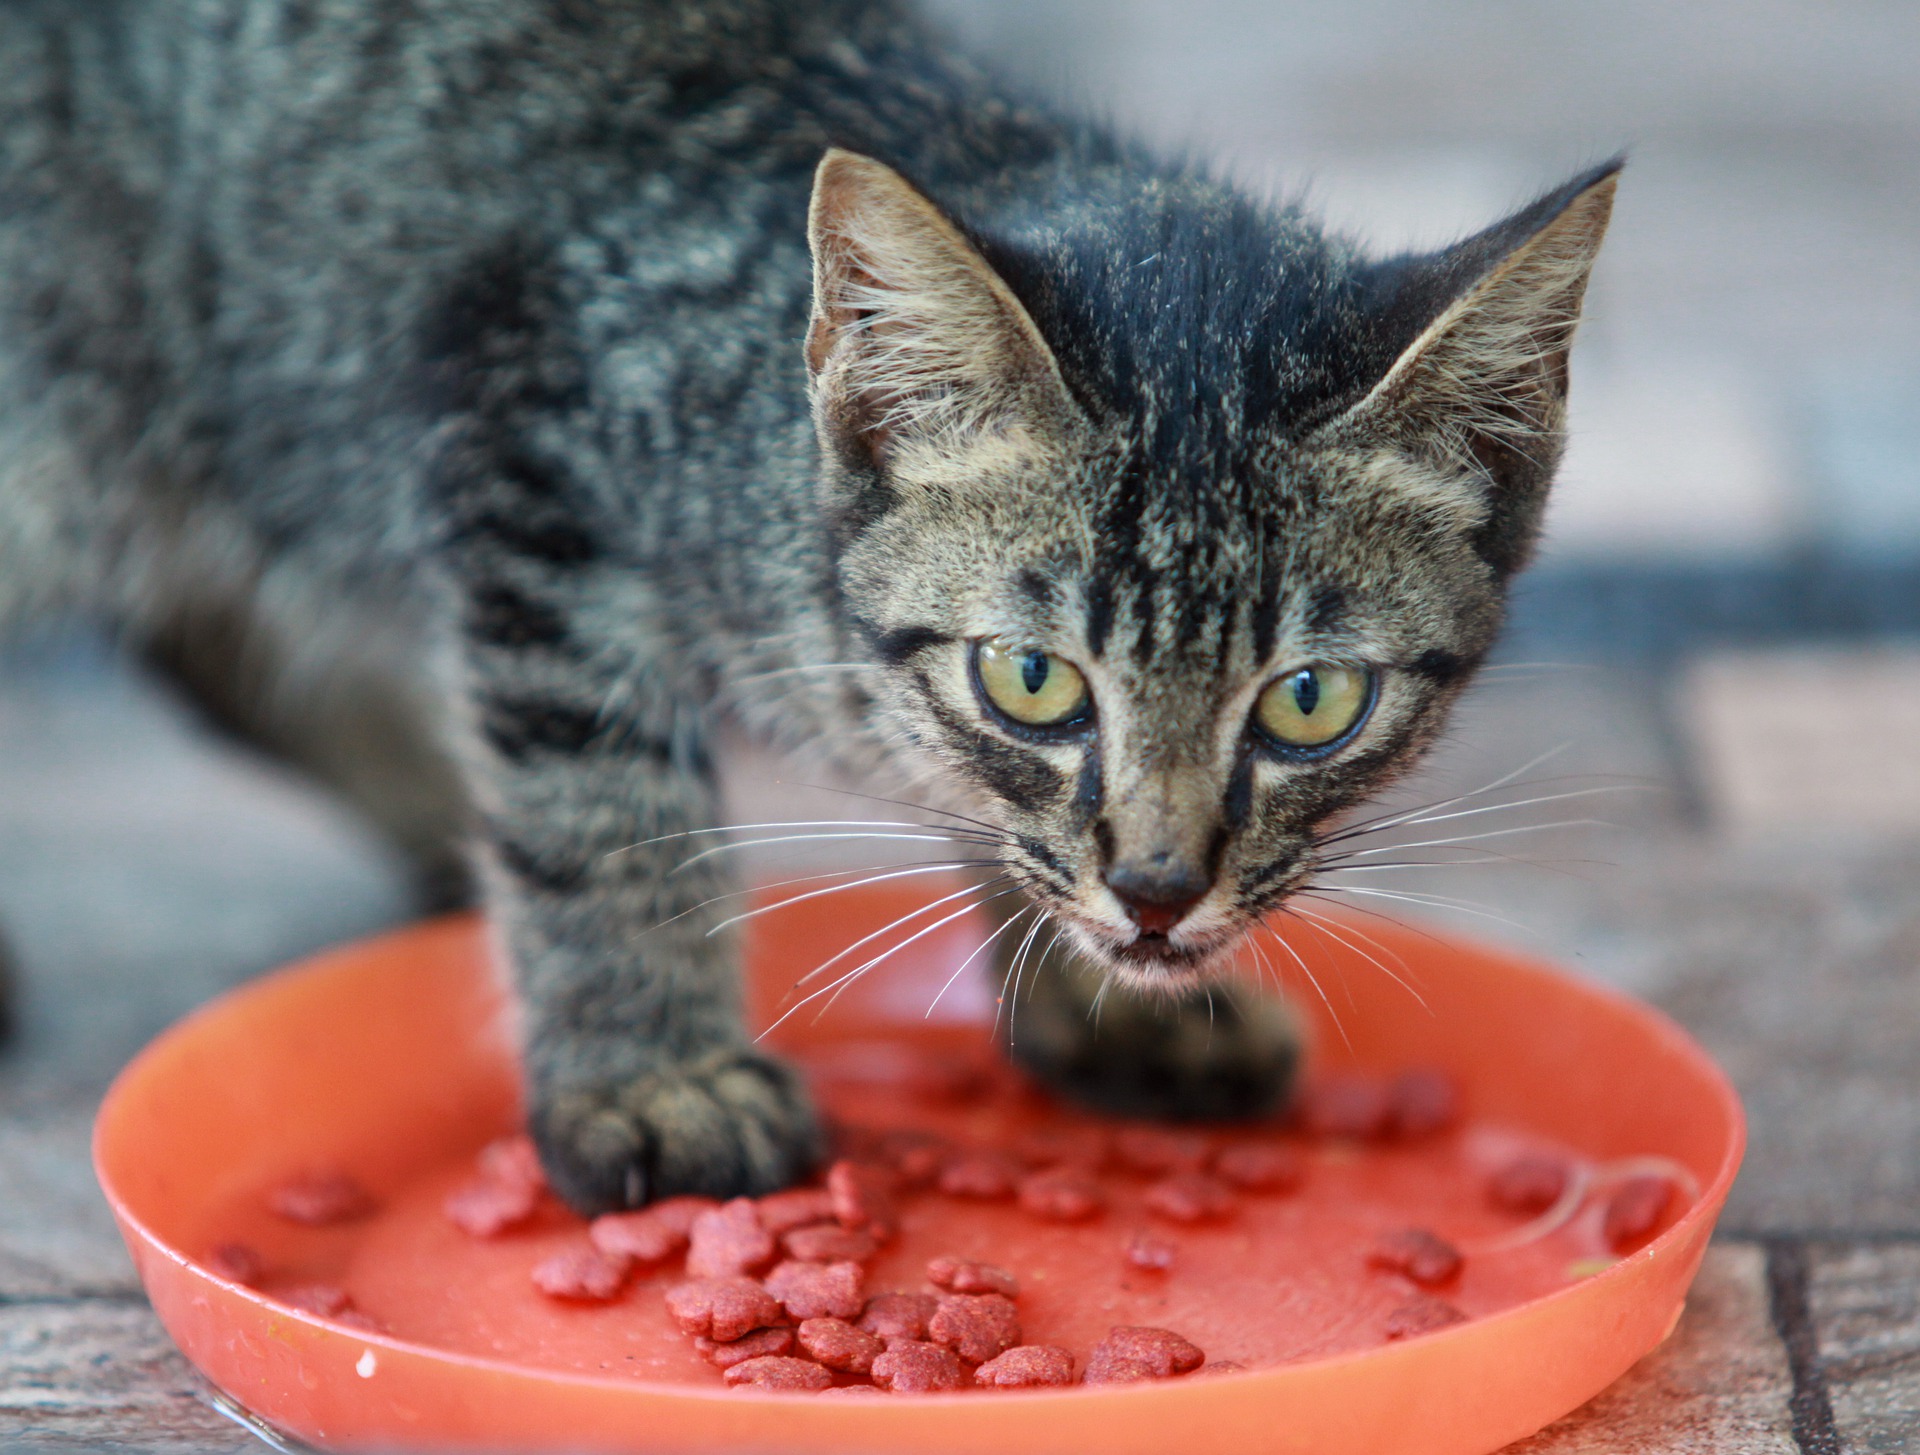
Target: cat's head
x=1172, y=525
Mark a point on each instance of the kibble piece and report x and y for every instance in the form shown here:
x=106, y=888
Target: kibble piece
x=1529, y=1184
x=513, y=1160
x=1061, y=1195
x=1086, y=1148
x=728, y=1241
x=829, y=1243
x=485, y=1208
x=1422, y=1103
x=797, y=1207
x=1155, y=1152
x=899, y=1315
x=1634, y=1211
x=819, y=1290
x=1189, y=1197
x=320, y=1199
x=913, y=1366
x=582, y=1275
x=723, y=1308
x=236, y=1262
x=862, y=1194
x=324, y=1299
x=976, y=1326
x=1161, y=1351
x=916, y=1156
x=1350, y=1106
x=759, y=1343
x=653, y=1234
x=961, y=1275
x=1420, y=1255
x=987, y=1176
x=1422, y=1315
x=839, y=1345
x=1260, y=1167
x=779, y=1372
x=855, y=1389
x=1026, y=1366
x=1150, y=1252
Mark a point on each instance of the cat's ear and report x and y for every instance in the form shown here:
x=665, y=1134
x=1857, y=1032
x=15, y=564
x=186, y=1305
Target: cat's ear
x=1480, y=393
x=920, y=354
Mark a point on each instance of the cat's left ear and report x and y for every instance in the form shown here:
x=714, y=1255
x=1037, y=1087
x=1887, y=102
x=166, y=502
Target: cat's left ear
x=1478, y=399
x=923, y=362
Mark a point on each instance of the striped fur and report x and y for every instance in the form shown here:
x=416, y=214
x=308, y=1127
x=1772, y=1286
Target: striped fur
x=529, y=357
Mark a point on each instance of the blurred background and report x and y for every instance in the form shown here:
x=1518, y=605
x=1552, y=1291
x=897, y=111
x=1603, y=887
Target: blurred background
x=1723, y=632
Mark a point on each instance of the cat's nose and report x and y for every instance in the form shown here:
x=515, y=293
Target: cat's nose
x=1157, y=896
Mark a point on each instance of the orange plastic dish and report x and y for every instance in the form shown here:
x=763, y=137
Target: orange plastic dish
x=392, y=1059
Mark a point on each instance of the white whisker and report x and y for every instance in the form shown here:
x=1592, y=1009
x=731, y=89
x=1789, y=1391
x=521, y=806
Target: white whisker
x=812, y=839
x=887, y=928
x=759, y=910
x=1003, y=927
x=1330, y=928
x=1388, y=820
x=1435, y=901
x=801, y=823
x=1312, y=979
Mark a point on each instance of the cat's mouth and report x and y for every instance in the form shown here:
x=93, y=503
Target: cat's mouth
x=1154, y=960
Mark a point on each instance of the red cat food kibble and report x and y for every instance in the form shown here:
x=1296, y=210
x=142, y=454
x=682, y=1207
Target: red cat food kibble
x=324, y=1299
x=819, y=1290
x=1422, y=1315
x=959, y=1275
x=862, y=1195
x=236, y=1262
x=513, y=1160
x=582, y=1275
x=723, y=1308
x=779, y=1372
x=1134, y=1352
x=781, y=1212
x=1422, y=1103
x=1418, y=1254
x=320, y=1199
x=1260, y=1167
x=829, y=1243
x=1150, y=1252
x=1189, y=1197
x=485, y=1208
x=758, y=1344
x=839, y=1345
x=899, y=1315
x=913, y=1366
x=728, y=1241
x=1061, y=1195
x=987, y=1176
x=1528, y=1184
x=976, y=1326
x=1155, y=1152
x=653, y=1234
x=860, y=1390
x=1634, y=1211
x=1026, y=1366
x=1351, y=1107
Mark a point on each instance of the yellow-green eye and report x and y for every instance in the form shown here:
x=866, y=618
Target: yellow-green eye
x=1029, y=685
x=1310, y=707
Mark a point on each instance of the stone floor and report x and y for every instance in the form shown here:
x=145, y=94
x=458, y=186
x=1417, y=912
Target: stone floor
x=145, y=865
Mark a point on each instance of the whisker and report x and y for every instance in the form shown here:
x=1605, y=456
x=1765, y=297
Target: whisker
x=797, y=671
x=1312, y=979
x=811, y=839
x=1328, y=926
x=839, y=987
x=1435, y=901
x=1003, y=927
x=1388, y=820
x=1525, y=828
x=759, y=910
x=1520, y=803
x=807, y=879
x=903, y=803
x=887, y=928
x=1012, y=977
x=800, y=823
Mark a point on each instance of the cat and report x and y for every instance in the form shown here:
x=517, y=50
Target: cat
x=487, y=402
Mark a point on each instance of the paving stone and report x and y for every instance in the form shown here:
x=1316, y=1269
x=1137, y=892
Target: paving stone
x=1719, y=1385
x=1865, y=1303
x=94, y=1372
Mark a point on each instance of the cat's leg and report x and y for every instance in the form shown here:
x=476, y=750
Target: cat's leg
x=596, y=803
x=1224, y=1053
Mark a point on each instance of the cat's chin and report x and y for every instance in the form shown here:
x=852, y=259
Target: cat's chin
x=1153, y=963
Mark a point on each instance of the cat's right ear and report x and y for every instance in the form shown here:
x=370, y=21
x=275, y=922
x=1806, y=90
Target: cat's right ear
x=925, y=367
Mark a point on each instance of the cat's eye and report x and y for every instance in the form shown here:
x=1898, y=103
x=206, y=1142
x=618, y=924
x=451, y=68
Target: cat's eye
x=1034, y=688
x=1314, y=706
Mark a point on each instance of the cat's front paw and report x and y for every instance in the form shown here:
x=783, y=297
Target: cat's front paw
x=1227, y=1055
x=731, y=1122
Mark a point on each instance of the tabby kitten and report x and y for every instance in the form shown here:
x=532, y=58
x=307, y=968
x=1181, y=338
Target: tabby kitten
x=524, y=391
